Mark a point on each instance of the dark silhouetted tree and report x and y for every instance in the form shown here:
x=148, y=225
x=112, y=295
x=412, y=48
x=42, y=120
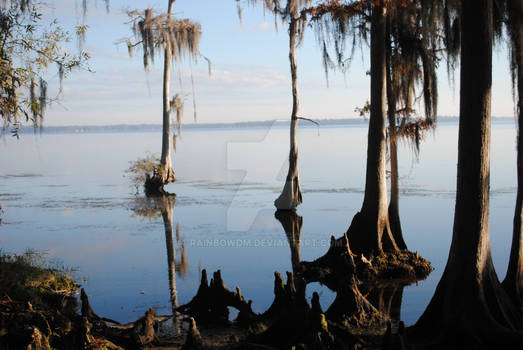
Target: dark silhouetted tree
x=469, y=307
x=513, y=282
x=412, y=58
x=400, y=33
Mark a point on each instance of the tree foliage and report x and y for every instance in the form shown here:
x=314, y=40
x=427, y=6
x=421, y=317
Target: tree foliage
x=284, y=13
x=28, y=48
x=141, y=169
x=155, y=33
x=176, y=39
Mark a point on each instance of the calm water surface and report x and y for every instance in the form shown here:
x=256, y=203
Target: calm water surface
x=66, y=194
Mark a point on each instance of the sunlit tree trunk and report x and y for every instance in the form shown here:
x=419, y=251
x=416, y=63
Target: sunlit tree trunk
x=290, y=197
x=165, y=159
x=154, y=185
x=369, y=232
x=469, y=301
x=513, y=282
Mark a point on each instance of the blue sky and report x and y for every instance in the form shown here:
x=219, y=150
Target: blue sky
x=250, y=80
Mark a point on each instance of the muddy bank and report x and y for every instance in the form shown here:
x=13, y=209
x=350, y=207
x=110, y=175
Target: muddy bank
x=40, y=309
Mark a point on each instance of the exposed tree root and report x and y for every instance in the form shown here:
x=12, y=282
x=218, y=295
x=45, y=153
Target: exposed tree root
x=351, y=308
x=194, y=340
x=331, y=268
x=469, y=312
x=290, y=321
x=339, y=262
x=87, y=310
x=135, y=335
x=153, y=185
x=371, y=235
x=402, y=265
x=210, y=303
x=290, y=196
x=90, y=342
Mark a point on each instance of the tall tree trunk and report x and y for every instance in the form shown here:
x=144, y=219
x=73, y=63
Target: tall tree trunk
x=513, y=282
x=469, y=301
x=154, y=185
x=290, y=196
x=394, y=215
x=369, y=232
x=394, y=212
x=165, y=160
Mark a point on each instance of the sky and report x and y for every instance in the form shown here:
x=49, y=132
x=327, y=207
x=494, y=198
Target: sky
x=250, y=78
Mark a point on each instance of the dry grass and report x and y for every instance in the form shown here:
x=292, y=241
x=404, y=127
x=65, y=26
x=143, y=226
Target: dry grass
x=29, y=277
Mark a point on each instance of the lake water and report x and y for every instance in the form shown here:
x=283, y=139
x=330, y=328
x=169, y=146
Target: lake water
x=65, y=194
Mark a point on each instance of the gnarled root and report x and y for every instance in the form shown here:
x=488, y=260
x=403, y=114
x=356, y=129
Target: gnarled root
x=193, y=341
x=87, y=310
x=132, y=335
x=289, y=320
x=90, y=342
x=371, y=235
x=339, y=262
x=336, y=264
x=351, y=308
x=210, y=303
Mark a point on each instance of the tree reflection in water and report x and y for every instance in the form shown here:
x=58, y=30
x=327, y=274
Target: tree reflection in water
x=292, y=224
x=153, y=208
x=384, y=296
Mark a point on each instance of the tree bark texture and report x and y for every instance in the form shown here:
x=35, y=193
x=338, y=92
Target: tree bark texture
x=369, y=232
x=469, y=300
